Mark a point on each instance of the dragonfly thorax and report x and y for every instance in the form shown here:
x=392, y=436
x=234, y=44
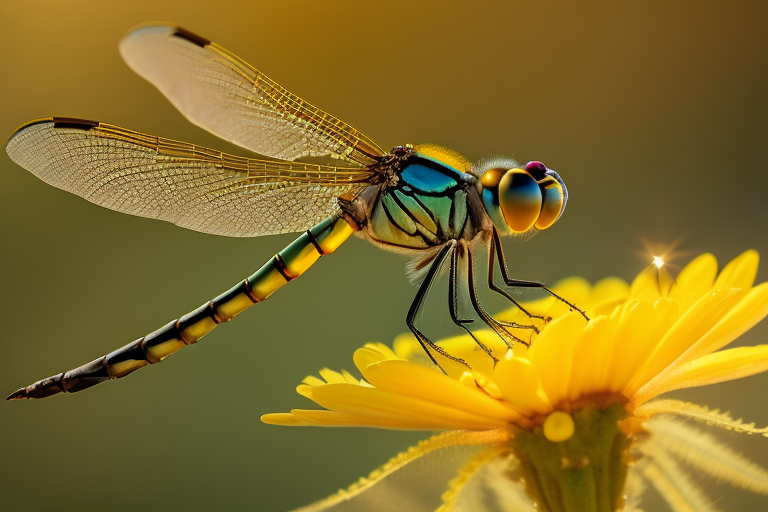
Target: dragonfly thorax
x=430, y=198
x=522, y=200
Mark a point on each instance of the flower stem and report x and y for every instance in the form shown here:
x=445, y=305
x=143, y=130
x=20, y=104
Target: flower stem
x=585, y=473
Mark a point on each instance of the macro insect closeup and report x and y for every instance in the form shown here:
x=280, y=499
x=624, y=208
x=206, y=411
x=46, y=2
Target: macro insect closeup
x=652, y=114
x=423, y=200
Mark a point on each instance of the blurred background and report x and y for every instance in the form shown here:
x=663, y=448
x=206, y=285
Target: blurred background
x=654, y=114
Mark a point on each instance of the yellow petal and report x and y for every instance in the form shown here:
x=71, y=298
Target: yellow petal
x=575, y=290
x=609, y=288
x=740, y=272
x=464, y=347
x=606, y=295
x=349, y=378
x=665, y=315
x=605, y=308
x=721, y=366
x=349, y=399
x=305, y=390
x=311, y=380
x=633, y=346
x=538, y=307
x=667, y=312
x=331, y=376
x=285, y=419
x=372, y=353
x=552, y=354
x=517, y=380
x=694, y=281
x=650, y=284
x=603, y=356
x=407, y=347
x=573, y=287
x=589, y=358
x=410, y=379
x=323, y=418
x=688, y=329
x=748, y=312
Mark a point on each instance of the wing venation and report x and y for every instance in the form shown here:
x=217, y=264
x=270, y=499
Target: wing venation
x=225, y=95
x=189, y=185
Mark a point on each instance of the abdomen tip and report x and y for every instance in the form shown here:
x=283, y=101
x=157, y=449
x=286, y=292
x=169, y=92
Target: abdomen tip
x=20, y=394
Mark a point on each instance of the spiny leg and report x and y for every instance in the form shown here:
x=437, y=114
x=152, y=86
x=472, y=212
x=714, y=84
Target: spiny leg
x=453, y=299
x=425, y=342
x=518, y=283
x=498, y=327
x=504, y=293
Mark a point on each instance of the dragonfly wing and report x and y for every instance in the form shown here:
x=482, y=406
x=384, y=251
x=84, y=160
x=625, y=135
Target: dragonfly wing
x=189, y=185
x=221, y=93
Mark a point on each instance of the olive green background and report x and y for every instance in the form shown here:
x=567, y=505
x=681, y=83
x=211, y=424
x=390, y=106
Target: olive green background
x=654, y=114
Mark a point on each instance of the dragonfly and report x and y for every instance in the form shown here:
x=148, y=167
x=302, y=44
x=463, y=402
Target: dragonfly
x=423, y=200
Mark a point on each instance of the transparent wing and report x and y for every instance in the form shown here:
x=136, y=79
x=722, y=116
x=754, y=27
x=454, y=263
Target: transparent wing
x=191, y=186
x=226, y=96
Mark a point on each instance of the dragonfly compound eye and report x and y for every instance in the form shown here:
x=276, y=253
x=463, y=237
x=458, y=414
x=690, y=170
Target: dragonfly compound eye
x=520, y=199
x=555, y=196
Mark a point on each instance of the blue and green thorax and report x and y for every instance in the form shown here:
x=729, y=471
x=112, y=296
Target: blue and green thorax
x=425, y=203
x=433, y=195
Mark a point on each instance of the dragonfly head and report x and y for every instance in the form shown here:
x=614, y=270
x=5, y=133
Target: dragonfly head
x=519, y=200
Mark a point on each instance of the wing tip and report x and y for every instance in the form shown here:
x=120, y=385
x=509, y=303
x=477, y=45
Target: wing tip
x=193, y=38
x=58, y=122
x=151, y=26
x=141, y=30
x=133, y=46
x=26, y=125
x=170, y=29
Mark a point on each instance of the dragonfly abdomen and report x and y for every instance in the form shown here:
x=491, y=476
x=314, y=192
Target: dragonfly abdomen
x=285, y=266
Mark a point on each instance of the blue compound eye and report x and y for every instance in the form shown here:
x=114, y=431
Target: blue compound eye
x=536, y=169
x=520, y=199
x=554, y=202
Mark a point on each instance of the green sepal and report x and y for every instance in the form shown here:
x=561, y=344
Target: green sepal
x=586, y=473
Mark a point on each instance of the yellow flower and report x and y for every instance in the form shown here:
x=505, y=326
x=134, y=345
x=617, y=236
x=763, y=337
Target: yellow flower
x=567, y=423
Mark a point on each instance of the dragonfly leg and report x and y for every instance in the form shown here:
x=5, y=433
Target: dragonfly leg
x=497, y=326
x=500, y=291
x=453, y=299
x=519, y=283
x=425, y=342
